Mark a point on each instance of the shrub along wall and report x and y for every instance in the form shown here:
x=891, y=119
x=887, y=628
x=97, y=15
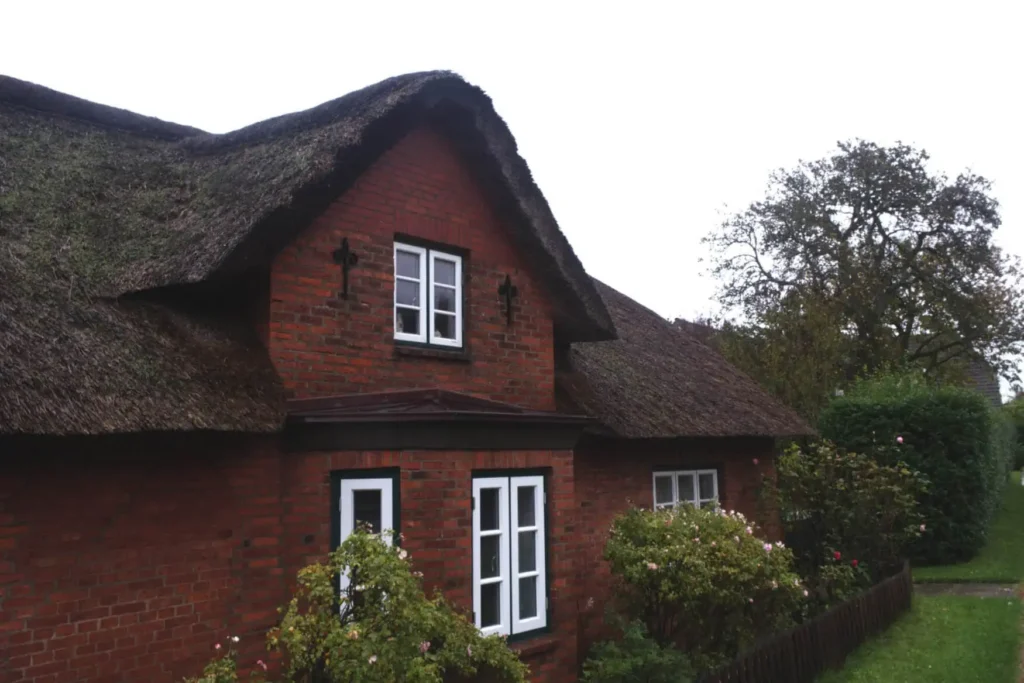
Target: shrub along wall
x=950, y=435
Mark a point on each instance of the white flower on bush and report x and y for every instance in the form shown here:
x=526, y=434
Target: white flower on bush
x=234, y=639
x=402, y=554
x=652, y=566
x=750, y=531
x=372, y=659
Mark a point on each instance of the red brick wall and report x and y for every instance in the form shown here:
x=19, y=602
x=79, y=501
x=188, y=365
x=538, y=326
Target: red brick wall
x=322, y=344
x=613, y=475
x=125, y=559
x=436, y=519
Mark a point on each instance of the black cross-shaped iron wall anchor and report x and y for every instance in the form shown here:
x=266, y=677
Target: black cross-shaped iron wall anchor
x=346, y=258
x=509, y=291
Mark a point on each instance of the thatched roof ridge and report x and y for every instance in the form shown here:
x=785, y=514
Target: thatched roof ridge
x=18, y=93
x=97, y=203
x=659, y=381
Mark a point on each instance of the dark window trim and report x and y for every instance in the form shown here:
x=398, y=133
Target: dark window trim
x=719, y=467
x=463, y=253
x=548, y=474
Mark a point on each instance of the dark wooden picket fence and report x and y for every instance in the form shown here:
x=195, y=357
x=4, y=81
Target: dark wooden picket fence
x=802, y=653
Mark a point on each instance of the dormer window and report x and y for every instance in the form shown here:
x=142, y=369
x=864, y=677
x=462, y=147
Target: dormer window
x=428, y=296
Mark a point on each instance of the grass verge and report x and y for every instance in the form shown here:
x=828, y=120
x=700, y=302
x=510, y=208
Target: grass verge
x=1002, y=558
x=943, y=639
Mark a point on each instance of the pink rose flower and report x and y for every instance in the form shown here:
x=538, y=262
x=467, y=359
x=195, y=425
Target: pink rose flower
x=837, y=555
x=216, y=646
x=652, y=566
x=756, y=461
x=922, y=528
x=261, y=664
x=749, y=531
x=767, y=547
x=899, y=439
x=424, y=646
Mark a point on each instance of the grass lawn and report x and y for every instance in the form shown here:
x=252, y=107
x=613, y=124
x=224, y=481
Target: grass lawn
x=943, y=639
x=1002, y=558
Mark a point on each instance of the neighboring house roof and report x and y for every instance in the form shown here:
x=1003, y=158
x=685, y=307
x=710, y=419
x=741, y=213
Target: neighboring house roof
x=983, y=378
x=97, y=203
x=659, y=381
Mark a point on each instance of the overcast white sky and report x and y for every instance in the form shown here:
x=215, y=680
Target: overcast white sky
x=641, y=121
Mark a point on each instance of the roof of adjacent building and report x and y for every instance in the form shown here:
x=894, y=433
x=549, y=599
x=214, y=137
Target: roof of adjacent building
x=658, y=380
x=99, y=204
x=981, y=377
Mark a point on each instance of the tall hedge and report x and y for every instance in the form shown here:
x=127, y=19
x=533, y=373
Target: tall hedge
x=952, y=436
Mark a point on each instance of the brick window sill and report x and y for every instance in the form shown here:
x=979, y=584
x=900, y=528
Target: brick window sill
x=456, y=355
x=532, y=647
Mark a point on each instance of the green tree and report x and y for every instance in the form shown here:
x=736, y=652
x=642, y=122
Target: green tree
x=902, y=257
x=796, y=351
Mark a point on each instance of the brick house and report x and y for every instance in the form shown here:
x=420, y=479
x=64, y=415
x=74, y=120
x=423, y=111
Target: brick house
x=220, y=352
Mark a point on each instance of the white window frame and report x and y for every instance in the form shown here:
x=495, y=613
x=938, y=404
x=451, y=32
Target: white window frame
x=346, y=509
x=420, y=253
x=674, y=475
x=427, y=333
x=510, y=622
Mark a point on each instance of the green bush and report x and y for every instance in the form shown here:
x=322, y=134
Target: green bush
x=832, y=501
x=382, y=628
x=950, y=435
x=1014, y=412
x=636, y=658
x=701, y=579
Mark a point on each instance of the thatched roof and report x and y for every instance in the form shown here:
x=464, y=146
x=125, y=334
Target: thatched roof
x=97, y=203
x=659, y=381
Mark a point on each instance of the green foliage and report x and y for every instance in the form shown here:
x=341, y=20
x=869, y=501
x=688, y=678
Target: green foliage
x=903, y=256
x=951, y=436
x=1014, y=411
x=796, y=351
x=833, y=501
x=222, y=669
x=636, y=658
x=382, y=628
x=701, y=579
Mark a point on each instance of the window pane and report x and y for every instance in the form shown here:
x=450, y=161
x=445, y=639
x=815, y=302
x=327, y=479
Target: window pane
x=444, y=272
x=707, y=486
x=444, y=298
x=490, y=556
x=407, y=264
x=686, y=492
x=444, y=326
x=527, y=515
x=366, y=508
x=528, y=597
x=407, y=320
x=527, y=551
x=663, y=490
x=489, y=509
x=407, y=292
x=490, y=607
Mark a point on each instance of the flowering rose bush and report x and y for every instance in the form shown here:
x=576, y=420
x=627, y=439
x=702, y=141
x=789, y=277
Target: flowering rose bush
x=381, y=628
x=701, y=579
x=834, y=504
